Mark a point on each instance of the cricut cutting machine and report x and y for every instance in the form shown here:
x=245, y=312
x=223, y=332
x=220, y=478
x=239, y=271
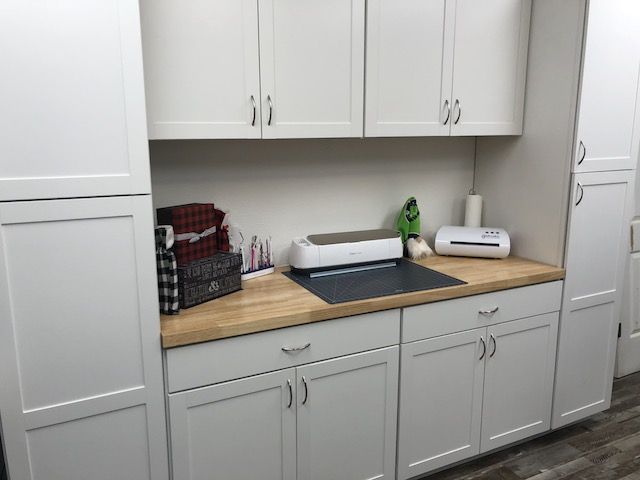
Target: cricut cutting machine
x=473, y=242
x=361, y=250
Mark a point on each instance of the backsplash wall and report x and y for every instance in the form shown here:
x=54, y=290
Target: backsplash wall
x=290, y=188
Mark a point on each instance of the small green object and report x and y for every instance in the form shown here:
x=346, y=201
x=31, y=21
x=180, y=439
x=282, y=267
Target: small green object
x=408, y=223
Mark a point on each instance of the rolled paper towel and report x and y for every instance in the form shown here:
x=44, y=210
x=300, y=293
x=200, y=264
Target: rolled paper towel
x=473, y=211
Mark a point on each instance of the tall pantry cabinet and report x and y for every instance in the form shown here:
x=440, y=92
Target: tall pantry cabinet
x=80, y=358
x=605, y=157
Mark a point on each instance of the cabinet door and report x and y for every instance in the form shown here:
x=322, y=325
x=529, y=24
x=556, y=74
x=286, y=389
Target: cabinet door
x=597, y=248
x=608, y=135
x=440, y=401
x=491, y=44
x=347, y=412
x=237, y=430
x=312, y=68
x=202, y=68
x=518, y=384
x=409, y=67
x=72, y=95
x=80, y=359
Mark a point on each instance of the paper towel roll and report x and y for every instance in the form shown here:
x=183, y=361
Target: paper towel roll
x=473, y=211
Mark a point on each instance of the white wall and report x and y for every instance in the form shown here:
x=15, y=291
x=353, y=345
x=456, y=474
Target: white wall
x=525, y=180
x=290, y=188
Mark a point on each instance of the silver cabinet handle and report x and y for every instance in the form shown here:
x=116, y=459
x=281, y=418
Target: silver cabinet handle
x=253, y=103
x=584, y=152
x=495, y=346
x=458, y=105
x=489, y=312
x=296, y=349
x=579, y=201
x=446, y=105
x=306, y=390
x=290, y=394
x=484, y=348
x=270, y=109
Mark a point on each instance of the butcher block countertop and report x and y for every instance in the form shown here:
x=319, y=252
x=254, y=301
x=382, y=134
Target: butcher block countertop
x=274, y=301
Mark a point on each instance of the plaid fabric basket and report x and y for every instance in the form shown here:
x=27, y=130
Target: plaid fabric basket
x=195, y=229
x=167, y=268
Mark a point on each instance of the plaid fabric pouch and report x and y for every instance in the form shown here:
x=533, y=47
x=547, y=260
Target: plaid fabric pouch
x=167, y=268
x=195, y=229
x=222, y=232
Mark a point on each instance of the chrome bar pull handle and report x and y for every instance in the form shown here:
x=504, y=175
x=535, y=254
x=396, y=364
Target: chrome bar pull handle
x=270, y=109
x=495, y=346
x=489, y=312
x=290, y=394
x=446, y=105
x=306, y=390
x=253, y=104
x=484, y=348
x=579, y=201
x=458, y=106
x=584, y=152
x=296, y=349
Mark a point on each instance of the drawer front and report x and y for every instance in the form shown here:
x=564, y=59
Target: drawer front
x=203, y=364
x=451, y=316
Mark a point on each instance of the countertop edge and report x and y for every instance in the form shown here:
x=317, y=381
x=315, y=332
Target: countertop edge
x=181, y=339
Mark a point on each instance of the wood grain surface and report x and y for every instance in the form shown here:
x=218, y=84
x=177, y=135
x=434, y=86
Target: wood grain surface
x=274, y=301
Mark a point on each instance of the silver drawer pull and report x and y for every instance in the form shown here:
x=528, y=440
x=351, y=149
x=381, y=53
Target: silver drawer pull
x=306, y=390
x=296, y=349
x=290, y=394
x=484, y=348
x=489, y=312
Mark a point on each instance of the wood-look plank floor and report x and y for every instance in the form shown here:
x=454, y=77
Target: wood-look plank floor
x=603, y=447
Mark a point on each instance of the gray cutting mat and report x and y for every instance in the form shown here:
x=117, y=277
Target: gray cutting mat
x=347, y=287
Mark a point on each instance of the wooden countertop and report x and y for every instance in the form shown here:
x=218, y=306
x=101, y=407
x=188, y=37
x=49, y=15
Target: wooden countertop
x=274, y=301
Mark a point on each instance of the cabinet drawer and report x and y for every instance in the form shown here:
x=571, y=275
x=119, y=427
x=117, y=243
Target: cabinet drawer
x=220, y=360
x=442, y=318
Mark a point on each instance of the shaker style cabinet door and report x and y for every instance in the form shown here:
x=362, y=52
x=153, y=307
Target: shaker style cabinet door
x=440, y=401
x=597, y=247
x=72, y=95
x=518, y=384
x=312, y=68
x=409, y=67
x=608, y=133
x=80, y=358
x=239, y=430
x=347, y=413
x=201, y=68
x=490, y=63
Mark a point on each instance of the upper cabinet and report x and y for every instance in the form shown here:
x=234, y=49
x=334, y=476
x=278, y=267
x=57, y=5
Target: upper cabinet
x=409, y=67
x=312, y=68
x=202, y=68
x=72, y=95
x=446, y=67
x=608, y=132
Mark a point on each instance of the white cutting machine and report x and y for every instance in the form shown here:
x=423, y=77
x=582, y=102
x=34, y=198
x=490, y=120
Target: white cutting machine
x=364, y=250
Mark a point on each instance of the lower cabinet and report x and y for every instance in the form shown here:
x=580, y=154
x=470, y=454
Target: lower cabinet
x=471, y=392
x=334, y=419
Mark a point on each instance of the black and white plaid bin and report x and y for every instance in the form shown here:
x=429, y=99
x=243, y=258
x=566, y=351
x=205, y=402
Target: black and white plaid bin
x=167, y=268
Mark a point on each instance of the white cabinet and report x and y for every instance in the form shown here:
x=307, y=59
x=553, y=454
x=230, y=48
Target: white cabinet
x=347, y=412
x=598, y=238
x=471, y=390
x=80, y=359
x=441, y=67
x=333, y=419
x=608, y=126
x=490, y=64
x=312, y=68
x=72, y=95
x=409, y=67
x=236, y=430
x=518, y=383
x=202, y=68
x=440, y=401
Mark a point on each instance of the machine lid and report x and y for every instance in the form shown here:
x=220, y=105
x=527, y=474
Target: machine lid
x=352, y=237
